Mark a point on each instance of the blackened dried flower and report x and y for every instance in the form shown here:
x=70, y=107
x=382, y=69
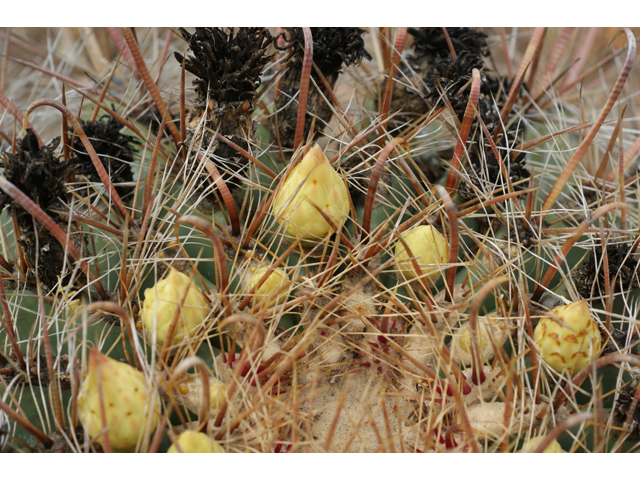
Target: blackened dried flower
x=452, y=78
x=485, y=174
x=41, y=175
x=38, y=173
x=114, y=149
x=621, y=411
x=430, y=42
x=448, y=76
x=438, y=74
x=228, y=66
x=589, y=278
x=430, y=50
x=333, y=49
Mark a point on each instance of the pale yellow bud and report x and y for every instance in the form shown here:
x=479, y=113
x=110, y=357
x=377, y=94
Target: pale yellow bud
x=429, y=248
x=191, y=391
x=217, y=393
x=572, y=347
x=461, y=350
x=464, y=340
x=321, y=185
x=129, y=412
x=530, y=446
x=162, y=300
x=195, y=442
x=276, y=281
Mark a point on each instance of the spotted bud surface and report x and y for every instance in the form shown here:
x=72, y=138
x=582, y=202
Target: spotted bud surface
x=530, y=446
x=276, y=281
x=162, y=300
x=128, y=409
x=429, y=248
x=195, y=442
x=319, y=184
x=571, y=347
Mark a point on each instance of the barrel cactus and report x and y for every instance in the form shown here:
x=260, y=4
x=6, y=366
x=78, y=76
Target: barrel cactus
x=319, y=240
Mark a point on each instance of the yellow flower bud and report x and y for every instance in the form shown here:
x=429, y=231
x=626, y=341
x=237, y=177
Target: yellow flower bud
x=461, y=350
x=323, y=186
x=428, y=247
x=191, y=390
x=161, y=301
x=530, y=446
x=572, y=347
x=128, y=410
x=195, y=442
x=464, y=340
x=217, y=392
x=276, y=280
